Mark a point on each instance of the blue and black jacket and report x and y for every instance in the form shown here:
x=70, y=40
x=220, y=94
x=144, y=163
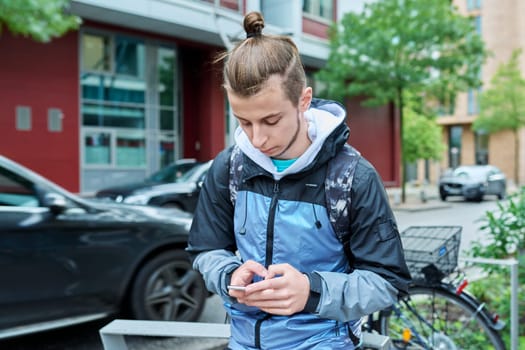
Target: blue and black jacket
x=282, y=217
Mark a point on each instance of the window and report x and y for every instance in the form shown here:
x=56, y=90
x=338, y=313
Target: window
x=54, y=120
x=167, y=114
x=129, y=57
x=472, y=102
x=129, y=103
x=120, y=148
x=97, y=148
x=454, y=146
x=107, y=114
x=474, y=4
x=481, y=139
x=114, y=96
x=319, y=8
x=96, y=53
x=130, y=148
x=16, y=191
x=167, y=150
x=23, y=118
x=166, y=95
x=477, y=24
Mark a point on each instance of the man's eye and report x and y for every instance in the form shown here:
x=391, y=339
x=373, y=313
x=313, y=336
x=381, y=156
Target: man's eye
x=272, y=121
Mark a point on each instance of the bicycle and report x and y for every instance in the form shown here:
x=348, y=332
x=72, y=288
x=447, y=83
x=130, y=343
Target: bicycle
x=437, y=313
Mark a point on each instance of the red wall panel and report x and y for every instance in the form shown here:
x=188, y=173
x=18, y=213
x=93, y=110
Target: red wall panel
x=41, y=76
x=375, y=133
x=203, y=104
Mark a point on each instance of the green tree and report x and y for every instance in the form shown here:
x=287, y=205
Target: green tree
x=422, y=137
x=502, y=106
x=40, y=20
x=402, y=45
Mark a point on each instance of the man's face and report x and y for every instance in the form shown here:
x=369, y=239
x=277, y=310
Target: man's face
x=273, y=124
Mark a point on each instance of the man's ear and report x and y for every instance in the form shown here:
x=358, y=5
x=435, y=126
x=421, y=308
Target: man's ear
x=306, y=99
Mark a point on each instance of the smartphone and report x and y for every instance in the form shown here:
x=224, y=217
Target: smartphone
x=237, y=287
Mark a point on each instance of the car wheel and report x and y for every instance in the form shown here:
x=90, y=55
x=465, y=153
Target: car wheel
x=501, y=195
x=168, y=289
x=443, y=196
x=478, y=198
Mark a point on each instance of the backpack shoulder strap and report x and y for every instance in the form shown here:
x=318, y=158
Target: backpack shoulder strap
x=235, y=172
x=338, y=184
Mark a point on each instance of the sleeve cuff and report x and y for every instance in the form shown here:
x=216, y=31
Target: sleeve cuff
x=315, y=292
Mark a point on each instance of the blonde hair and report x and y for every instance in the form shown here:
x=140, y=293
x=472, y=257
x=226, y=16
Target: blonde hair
x=255, y=59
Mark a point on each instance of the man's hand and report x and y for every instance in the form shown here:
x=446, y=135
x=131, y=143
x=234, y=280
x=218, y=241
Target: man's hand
x=244, y=275
x=284, y=291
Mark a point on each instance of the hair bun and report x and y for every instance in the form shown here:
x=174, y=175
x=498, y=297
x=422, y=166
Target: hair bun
x=253, y=24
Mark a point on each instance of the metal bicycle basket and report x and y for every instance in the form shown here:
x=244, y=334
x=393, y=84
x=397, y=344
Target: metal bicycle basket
x=431, y=252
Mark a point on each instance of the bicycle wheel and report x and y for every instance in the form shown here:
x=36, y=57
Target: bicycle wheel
x=436, y=318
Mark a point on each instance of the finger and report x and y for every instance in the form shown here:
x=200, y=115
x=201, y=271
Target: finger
x=244, y=274
x=266, y=284
x=255, y=268
x=279, y=270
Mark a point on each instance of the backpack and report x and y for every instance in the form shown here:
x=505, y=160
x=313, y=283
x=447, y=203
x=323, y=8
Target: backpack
x=338, y=183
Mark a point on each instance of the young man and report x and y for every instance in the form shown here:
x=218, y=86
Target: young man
x=295, y=284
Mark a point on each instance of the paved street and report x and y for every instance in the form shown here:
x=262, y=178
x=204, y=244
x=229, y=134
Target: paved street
x=453, y=212
x=413, y=213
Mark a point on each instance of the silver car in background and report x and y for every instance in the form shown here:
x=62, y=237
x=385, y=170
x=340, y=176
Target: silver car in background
x=473, y=182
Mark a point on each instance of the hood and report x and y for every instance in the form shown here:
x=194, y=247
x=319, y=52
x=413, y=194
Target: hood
x=460, y=180
x=112, y=211
x=126, y=189
x=326, y=129
x=150, y=189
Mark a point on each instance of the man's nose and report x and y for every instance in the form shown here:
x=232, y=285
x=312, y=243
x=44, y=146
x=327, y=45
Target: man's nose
x=258, y=136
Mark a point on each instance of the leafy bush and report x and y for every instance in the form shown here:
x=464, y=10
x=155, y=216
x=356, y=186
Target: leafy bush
x=505, y=230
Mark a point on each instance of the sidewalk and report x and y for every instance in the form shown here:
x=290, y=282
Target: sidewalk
x=417, y=198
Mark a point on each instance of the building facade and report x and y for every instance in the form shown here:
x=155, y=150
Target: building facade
x=501, y=24
x=135, y=88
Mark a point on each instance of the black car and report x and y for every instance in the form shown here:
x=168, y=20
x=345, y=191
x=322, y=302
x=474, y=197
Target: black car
x=182, y=194
x=168, y=174
x=473, y=182
x=67, y=260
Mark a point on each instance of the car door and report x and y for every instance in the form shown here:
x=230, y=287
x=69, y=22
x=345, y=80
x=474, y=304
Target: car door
x=40, y=268
x=495, y=181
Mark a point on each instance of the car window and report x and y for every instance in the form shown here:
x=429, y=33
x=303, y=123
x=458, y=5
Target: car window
x=462, y=174
x=472, y=172
x=191, y=175
x=16, y=191
x=171, y=172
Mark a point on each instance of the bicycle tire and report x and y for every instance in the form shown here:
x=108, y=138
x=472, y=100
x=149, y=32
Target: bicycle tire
x=452, y=322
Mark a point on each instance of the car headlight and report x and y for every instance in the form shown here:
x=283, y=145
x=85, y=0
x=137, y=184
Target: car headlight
x=140, y=199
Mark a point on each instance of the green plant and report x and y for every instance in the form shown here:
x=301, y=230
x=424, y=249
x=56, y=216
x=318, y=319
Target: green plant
x=494, y=291
x=505, y=229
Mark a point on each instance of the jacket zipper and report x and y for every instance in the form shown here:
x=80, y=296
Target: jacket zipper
x=270, y=226
x=258, y=325
x=269, y=254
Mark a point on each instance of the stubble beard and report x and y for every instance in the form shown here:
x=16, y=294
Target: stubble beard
x=294, y=138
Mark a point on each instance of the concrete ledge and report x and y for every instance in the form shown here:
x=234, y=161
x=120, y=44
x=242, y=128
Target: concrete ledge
x=112, y=335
